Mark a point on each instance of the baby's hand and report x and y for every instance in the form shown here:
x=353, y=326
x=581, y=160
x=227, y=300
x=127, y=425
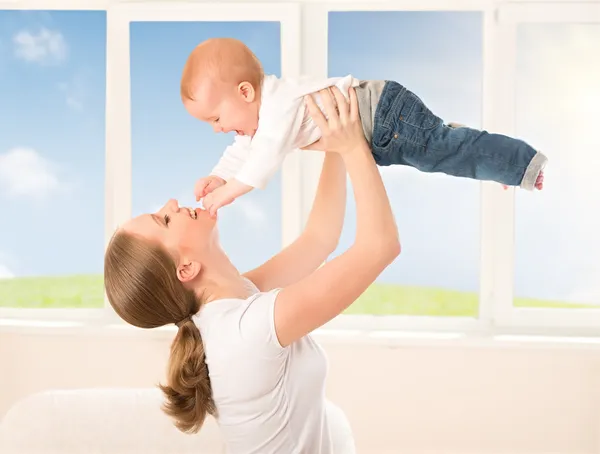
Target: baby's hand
x=216, y=199
x=224, y=195
x=207, y=185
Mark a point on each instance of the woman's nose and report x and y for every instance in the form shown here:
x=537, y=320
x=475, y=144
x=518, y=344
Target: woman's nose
x=173, y=205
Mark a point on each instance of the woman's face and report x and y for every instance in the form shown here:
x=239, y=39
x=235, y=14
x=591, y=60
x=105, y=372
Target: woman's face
x=182, y=231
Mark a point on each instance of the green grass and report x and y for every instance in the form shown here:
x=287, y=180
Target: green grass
x=389, y=299
x=85, y=291
x=380, y=299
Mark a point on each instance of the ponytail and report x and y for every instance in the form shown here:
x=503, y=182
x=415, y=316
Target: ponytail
x=188, y=391
x=141, y=283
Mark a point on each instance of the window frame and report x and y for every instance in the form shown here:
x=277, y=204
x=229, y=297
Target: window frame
x=118, y=151
x=118, y=89
x=304, y=31
x=93, y=316
x=118, y=97
x=315, y=63
x=509, y=16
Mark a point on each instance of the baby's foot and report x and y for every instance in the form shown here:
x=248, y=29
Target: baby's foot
x=539, y=182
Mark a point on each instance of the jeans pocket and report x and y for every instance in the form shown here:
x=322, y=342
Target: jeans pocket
x=415, y=113
x=384, y=140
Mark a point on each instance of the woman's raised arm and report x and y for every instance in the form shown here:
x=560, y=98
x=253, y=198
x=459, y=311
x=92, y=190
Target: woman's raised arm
x=313, y=301
x=319, y=238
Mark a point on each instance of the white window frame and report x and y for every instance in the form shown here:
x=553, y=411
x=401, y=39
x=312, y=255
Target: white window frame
x=119, y=91
x=51, y=5
x=118, y=96
x=118, y=175
x=89, y=315
x=304, y=51
x=315, y=62
x=505, y=314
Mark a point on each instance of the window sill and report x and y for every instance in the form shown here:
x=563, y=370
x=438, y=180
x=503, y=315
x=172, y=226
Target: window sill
x=326, y=336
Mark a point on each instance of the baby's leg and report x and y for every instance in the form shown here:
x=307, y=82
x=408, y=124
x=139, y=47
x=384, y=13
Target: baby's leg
x=480, y=155
x=406, y=132
x=539, y=181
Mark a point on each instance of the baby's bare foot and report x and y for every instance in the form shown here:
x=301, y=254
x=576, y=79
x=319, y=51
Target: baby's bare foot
x=539, y=182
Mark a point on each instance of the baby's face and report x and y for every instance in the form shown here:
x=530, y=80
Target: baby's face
x=227, y=108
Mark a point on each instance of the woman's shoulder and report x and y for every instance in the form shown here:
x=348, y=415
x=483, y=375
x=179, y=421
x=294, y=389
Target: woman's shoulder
x=231, y=306
x=248, y=323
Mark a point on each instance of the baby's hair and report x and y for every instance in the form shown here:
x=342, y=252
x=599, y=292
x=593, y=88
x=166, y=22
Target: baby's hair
x=227, y=60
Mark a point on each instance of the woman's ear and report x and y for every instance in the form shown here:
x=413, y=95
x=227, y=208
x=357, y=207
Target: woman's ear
x=188, y=270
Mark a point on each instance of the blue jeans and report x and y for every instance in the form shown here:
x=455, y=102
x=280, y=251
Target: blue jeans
x=406, y=132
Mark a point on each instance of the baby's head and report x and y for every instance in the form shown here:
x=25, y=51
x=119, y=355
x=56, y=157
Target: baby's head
x=221, y=85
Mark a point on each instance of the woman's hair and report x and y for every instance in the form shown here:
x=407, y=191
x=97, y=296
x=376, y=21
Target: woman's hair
x=141, y=284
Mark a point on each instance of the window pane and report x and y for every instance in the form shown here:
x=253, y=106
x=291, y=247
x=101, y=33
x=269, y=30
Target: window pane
x=52, y=87
x=557, y=110
x=438, y=56
x=171, y=149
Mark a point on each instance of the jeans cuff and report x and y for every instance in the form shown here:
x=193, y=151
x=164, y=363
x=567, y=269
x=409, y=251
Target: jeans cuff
x=537, y=164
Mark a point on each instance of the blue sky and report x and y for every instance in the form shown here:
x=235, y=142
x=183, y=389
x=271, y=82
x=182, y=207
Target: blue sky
x=52, y=83
x=433, y=212
x=52, y=86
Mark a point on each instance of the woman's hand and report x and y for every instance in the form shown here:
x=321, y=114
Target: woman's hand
x=342, y=132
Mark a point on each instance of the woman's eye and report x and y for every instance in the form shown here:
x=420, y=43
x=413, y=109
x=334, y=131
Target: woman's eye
x=167, y=219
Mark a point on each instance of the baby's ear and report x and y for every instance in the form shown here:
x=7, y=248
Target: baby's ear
x=246, y=91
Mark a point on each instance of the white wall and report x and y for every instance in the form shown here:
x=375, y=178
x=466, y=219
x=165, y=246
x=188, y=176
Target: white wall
x=470, y=397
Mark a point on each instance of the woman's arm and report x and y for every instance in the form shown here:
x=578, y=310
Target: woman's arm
x=319, y=238
x=311, y=302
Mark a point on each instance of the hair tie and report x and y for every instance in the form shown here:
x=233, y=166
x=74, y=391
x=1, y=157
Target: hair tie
x=180, y=323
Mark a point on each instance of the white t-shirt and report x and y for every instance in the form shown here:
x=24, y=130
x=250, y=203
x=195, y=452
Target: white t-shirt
x=284, y=125
x=270, y=399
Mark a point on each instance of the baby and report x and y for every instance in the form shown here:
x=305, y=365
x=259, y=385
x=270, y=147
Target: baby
x=223, y=84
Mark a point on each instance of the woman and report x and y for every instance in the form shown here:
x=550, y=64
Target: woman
x=243, y=351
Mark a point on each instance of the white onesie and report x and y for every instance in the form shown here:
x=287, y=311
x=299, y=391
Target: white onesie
x=284, y=125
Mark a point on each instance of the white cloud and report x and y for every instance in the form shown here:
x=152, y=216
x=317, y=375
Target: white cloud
x=251, y=211
x=6, y=264
x=44, y=47
x=74, y=91
x=3, y=59
x=25, y=173
x=5, y=273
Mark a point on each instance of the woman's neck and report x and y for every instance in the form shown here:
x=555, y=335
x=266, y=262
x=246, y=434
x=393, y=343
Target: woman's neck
x=222, y=280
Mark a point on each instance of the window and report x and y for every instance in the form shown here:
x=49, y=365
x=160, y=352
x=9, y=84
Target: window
x=171, y=149
x=557, y=108
x=550, y=98
x=52, y=86
x=438, y=216
x=474, y=256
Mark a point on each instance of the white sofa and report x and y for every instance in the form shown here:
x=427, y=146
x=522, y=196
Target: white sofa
x=100, y=421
